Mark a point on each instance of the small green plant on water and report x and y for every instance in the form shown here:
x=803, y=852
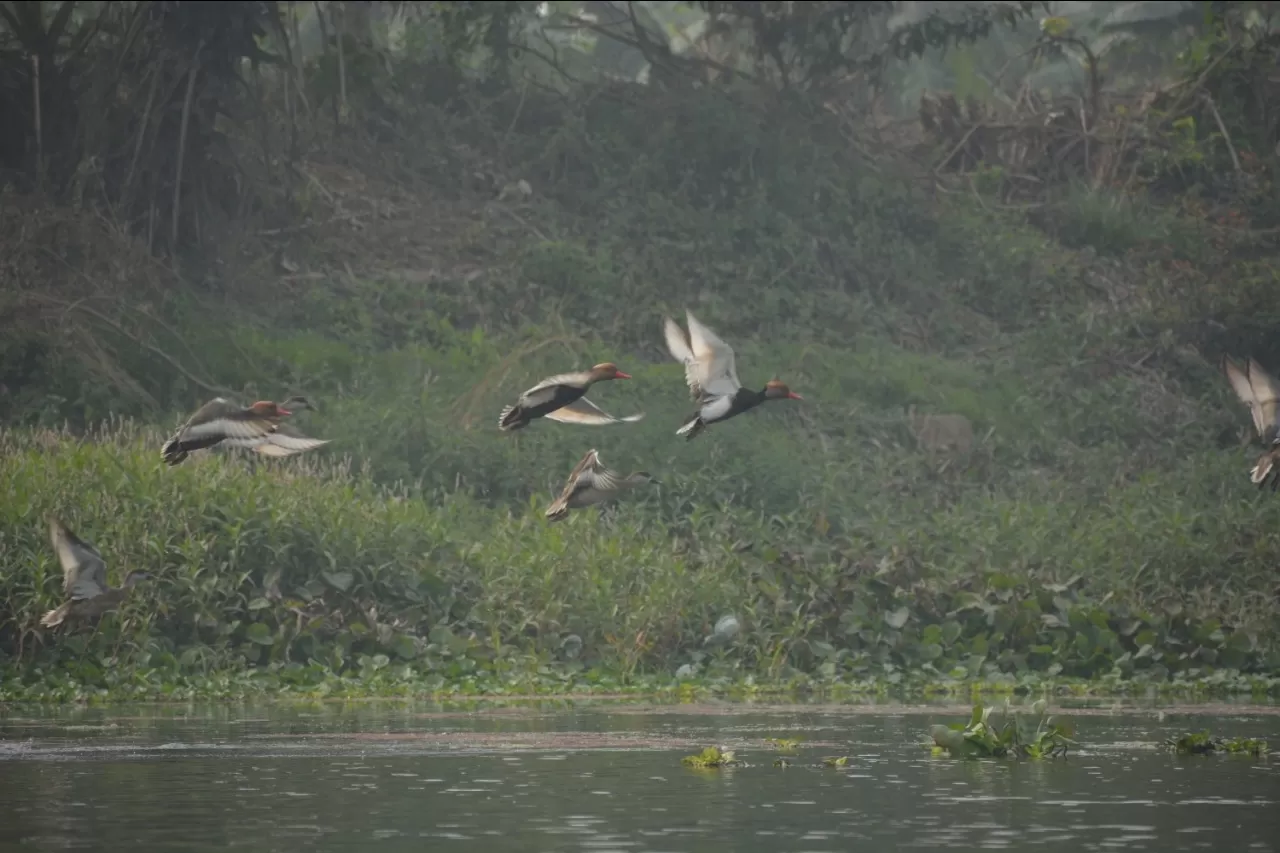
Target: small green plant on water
x=710, y=758
x=784, y=744
x=835, y=761
x=1006, y=735
x=1203, y=743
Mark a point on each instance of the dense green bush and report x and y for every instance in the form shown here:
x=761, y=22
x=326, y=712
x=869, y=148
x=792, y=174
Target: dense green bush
x=1097, y=527
x=308, y=563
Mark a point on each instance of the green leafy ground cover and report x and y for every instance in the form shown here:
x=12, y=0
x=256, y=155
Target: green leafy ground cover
x=1102, y=531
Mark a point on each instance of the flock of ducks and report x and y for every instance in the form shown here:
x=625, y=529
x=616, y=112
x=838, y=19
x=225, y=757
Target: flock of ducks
x=710, y=373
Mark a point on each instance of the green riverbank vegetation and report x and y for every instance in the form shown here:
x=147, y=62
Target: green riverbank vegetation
x=1017, y=465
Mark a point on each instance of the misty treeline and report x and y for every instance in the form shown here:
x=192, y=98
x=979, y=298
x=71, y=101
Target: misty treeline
x=176, y=119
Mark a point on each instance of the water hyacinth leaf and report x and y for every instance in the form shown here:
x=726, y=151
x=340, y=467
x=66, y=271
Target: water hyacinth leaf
x=897, y=618
x=259, y=634
x=405, y=646
x=1130, y=627
x=341, y=581
x=951, y=632
x=259, y=603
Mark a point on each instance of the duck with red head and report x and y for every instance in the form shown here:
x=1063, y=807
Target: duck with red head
x=561, y=398
x=255, y=427
x=712, y=377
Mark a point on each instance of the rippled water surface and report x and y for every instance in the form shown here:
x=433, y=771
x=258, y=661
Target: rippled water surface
x=384, y=777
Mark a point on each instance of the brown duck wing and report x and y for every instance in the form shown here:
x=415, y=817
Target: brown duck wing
x=599, y=478
x=546, y=390
x=583, y=411
x=221, y=419
x=84, y=573
x=590, y=483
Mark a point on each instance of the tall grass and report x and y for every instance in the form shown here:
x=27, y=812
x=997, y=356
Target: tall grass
x=308, y=560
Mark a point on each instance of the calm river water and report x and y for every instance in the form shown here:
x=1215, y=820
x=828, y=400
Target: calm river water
x=600, y=777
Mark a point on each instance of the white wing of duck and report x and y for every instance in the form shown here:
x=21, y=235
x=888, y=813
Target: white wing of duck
x=583, y=411
x=708, y=361
x=1257, y=389
x=278, y=444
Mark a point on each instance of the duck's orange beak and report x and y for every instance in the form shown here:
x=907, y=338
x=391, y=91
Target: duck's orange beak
x=621, y=375
x=283, y=411
x=792, y=395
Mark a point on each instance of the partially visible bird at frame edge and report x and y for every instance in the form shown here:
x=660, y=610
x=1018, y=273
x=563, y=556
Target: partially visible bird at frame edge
x=1261, y=393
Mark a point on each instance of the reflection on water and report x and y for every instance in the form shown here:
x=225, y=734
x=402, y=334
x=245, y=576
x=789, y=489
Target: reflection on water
x=388, y=778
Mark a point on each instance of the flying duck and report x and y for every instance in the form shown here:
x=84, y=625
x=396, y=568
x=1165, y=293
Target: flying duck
x=256, y=428
x=84, y=579
x=1260, y=392
x=560, y=398
x=591, y=483
x=713, y=379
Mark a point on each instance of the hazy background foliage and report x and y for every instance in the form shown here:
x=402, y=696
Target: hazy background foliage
x=1050, y=219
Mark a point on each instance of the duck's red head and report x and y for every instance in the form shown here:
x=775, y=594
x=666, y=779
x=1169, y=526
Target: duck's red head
x=776, y=389
x=609, y=370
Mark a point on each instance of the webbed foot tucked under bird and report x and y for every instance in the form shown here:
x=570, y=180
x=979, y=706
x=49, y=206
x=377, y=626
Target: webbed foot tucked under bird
x=1260, y=392
x=591, y=483
x=712, y=376
x=256, y=428
x=560, y=398
x=84, y=579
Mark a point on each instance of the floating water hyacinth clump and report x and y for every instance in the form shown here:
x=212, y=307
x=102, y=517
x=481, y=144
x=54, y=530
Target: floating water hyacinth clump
x=1000, y=733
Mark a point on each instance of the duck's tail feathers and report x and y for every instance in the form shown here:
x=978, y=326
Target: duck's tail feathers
x=512, y=417
x=1263, y=468
x=691, y=429
x=172, y=452
x=55, y=617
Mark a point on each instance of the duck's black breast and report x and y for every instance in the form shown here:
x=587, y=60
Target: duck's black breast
x=743, y=401
x=560, y=396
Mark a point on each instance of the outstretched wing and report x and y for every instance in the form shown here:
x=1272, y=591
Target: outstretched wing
x=589, y=482
x=222, y=418
x=1256, y=389
x=84, y=573
x=545, y=390
x=1266, y=396
x=583, y=411
x=279, y=444
x=678, y=346
x=717, y=373
x=592, y=474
